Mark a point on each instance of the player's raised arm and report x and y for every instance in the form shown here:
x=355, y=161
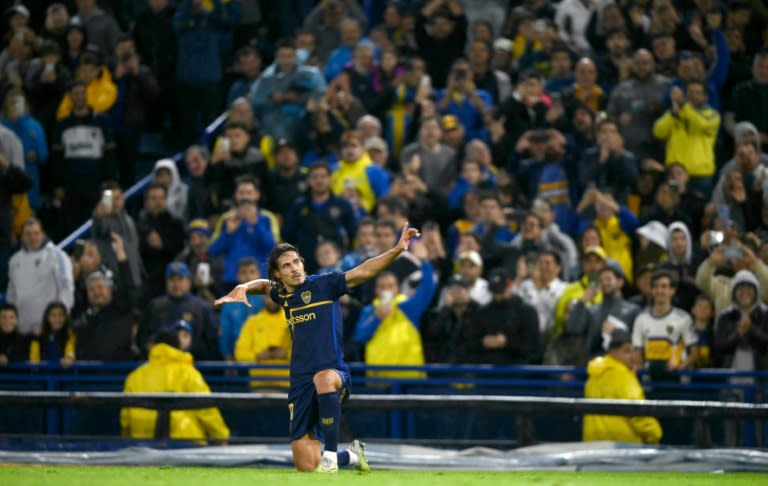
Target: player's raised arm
x=374, y=266
x=260, y=286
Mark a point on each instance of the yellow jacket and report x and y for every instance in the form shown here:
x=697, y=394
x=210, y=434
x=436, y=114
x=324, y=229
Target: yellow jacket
x=69, y=348
x=690, y=138
x=170, y=370
x=355, y=174
x=261, y=331
x=573, y=292
x=609, y=378
x=616, y=244
x=396, y=342
x=100, y=95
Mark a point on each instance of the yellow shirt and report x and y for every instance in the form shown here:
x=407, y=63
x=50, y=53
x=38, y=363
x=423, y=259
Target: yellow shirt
x=260, y=332
x=354, y=174
x=690, y=137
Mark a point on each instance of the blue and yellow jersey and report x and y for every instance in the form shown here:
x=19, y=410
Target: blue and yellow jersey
x=314, y=318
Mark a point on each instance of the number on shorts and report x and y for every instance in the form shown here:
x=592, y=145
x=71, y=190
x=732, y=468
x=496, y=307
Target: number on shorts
x=290, y=411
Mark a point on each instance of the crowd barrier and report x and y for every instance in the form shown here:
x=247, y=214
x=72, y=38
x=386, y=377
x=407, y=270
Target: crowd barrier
x=453, y=403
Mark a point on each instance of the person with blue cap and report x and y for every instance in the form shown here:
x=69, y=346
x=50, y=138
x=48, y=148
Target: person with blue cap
x=178, y=304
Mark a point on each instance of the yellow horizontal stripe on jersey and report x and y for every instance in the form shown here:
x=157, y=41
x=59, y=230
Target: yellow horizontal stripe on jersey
x=308, y=306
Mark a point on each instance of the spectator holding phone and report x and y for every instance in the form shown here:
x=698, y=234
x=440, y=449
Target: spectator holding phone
x=245, y=230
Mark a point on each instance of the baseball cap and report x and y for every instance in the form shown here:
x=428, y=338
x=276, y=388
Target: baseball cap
x=457, y=280
x=498, y=280
x=472, y=256
x=284, y=143
x=376, y=143
x=177, y=269
x=182, y=324
x=19, y=9
x=450, y=122
x=596, y=250
x=619, y=337
x=503, y=44
x=199, y=225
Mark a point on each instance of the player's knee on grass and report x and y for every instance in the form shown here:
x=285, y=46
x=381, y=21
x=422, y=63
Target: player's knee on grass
x=326, y=381
x=305, y=459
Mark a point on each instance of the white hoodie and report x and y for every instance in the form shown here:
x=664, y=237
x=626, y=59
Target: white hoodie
x=176, y=202
x=37, y=278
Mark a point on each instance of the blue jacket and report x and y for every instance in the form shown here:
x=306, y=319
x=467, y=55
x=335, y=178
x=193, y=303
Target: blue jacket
x=32, y=137
x=414, y=307
x=471, y=118
x=307, y=223
x=717, y=76
x=231, y=320
x=254, y=240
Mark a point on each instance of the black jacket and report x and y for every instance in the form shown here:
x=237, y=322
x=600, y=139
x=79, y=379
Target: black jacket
x=518, y=322
x=106, y=334
x=14, y=346
x=165, y=310
x=727, y=338
x=13, y=180
x=445, y=335
x=171, y=231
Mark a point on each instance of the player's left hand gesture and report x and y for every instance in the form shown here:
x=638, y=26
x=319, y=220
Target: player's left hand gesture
x=238, y=294
x=405, y=237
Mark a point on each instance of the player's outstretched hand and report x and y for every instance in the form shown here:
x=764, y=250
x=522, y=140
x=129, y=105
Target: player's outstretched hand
x=405, y=237
x=238, y=294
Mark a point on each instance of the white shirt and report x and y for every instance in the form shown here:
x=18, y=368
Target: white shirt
x=543, y=300
x=662, y=337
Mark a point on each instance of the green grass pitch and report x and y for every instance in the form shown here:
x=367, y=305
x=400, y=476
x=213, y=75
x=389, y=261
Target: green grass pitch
x=191, y=476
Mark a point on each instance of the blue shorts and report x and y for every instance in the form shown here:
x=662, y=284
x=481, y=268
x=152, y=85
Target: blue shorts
x=302, y=406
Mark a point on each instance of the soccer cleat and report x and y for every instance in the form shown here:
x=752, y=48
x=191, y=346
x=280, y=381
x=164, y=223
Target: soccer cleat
x=359, y=448
x=327, y=466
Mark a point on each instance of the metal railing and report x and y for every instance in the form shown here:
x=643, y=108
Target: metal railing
x=139, y=187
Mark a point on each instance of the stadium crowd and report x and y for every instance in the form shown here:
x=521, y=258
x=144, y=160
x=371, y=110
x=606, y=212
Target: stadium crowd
x=575, y=168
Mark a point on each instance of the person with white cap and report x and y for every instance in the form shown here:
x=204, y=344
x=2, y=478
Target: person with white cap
x=471, y=269
x=653, y=243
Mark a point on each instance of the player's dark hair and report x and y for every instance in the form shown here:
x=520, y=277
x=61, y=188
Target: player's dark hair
x=275, y=254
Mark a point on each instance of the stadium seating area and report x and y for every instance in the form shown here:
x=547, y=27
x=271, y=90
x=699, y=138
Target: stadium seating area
x=576, y=169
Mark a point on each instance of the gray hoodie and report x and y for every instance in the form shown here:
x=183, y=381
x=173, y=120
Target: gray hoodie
x=741, y=129
x=176, y=201
x=672, y=258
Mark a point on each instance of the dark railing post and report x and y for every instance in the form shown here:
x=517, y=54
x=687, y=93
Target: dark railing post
x=52, y=414
x=749, y=423
x=396, y=416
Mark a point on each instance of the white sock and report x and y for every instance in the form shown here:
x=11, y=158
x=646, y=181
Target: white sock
x=353, y=459
x=331, y=455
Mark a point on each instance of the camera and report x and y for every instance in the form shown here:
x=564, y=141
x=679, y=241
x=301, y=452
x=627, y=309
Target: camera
x=126, y=57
